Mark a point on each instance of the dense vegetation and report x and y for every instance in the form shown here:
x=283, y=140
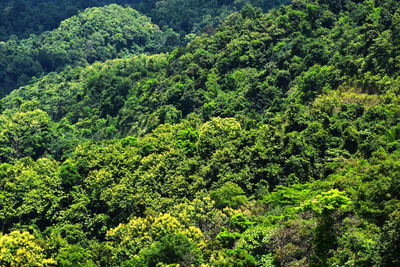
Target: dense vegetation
x=197, y=16
x=97, y=34
x=22, y=18
x=273, y=141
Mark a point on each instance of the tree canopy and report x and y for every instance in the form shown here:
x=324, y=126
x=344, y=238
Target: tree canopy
x=271, y=140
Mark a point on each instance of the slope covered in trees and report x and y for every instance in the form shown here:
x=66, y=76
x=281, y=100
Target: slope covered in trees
x=22, y=18
x=273, y=142
x=97, y=34
x=194, y=16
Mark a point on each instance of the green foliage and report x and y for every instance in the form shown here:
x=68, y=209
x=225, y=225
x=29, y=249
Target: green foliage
x=357, y=244
x=378, y=196
x=25, y=17
x=325, y=206
x=327, y=203
x=173, y=249
x=69, y=175
x=229, y=195
x=240, y=222
x=187, y=139
x=189, y=16
x=314, y=82
x=227, y=239
x=31, y=193
x=216, y=134
x=97, y=34
x=24, y=134
x=23, y=249
x=241, y=258
x=256, y=242
x=74, y=255
x=390, y=240
x=270, y=141
x=129, y=141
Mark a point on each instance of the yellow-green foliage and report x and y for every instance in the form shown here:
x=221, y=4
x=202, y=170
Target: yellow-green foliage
x=23, y=249
x=327, y=203
x=139, y=233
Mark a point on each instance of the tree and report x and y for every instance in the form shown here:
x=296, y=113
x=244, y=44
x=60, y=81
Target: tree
x=229, y=195
x=24, y=134
x=390, y=249
x=325, y=207
x=173, y=248
x=23, y=249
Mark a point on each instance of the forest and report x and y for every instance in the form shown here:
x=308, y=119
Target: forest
x=200, y=133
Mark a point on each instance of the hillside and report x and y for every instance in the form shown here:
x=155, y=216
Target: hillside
x=94, y=34
x=273, y=141
x=188, y=17
x=21, y=18
x=97, y=34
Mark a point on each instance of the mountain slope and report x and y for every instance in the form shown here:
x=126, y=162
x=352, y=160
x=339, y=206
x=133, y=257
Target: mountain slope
x=255, y=66
x=97, y=34
x=273, y=142
x=22, y=18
